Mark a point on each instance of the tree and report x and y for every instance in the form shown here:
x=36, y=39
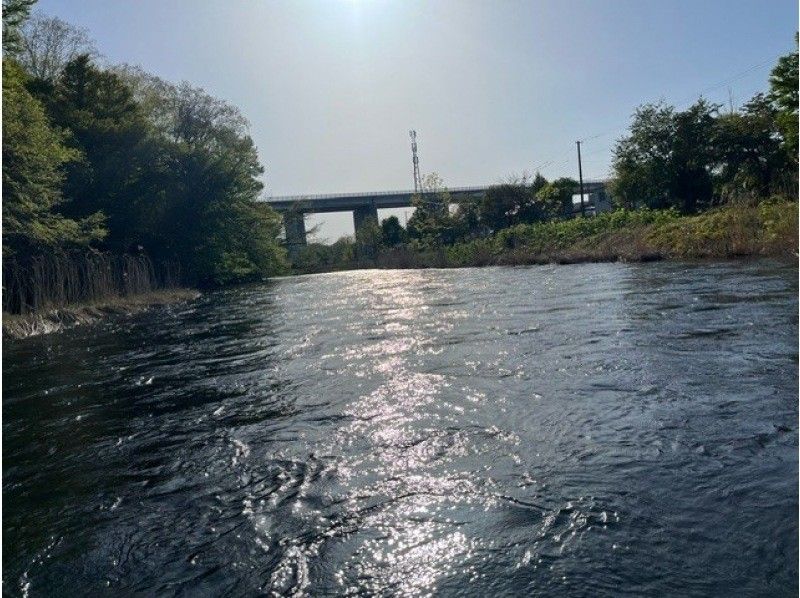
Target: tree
x=368, y=239
x=108, y=130
x=555, y=198
x=172, y=167
x=392, y=232
x=502, y=203
x=48, y=44
x=33, y=157
x=667, y=158
x=784, y=94
x=210, y=177
x=512, y=202
x=467, y=218
x=692, y=158
x=532, y=211
x=750, y=158
x=15, y=12
x=431, y=225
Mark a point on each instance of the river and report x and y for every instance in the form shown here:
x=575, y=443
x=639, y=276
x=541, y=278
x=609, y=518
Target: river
x=585, y=430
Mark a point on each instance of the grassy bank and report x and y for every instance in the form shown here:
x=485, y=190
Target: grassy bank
x=20, y=326
x=768, y=229
x=739, y=230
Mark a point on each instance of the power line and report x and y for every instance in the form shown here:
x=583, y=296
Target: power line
x=557, y=161
x=692, y=97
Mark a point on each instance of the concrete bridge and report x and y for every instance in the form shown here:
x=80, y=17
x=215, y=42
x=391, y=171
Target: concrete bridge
x=366, y=205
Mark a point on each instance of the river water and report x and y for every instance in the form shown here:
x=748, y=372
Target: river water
x=586, y=430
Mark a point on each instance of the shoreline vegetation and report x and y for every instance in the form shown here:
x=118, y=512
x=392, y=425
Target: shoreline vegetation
x=122, y=190
x=19, y=326
x=768, y=229
x=731, y=232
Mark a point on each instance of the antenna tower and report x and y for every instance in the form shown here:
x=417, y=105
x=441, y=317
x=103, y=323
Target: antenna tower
x=415, y=160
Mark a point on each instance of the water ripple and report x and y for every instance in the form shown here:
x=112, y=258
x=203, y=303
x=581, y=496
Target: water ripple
x=599, y=429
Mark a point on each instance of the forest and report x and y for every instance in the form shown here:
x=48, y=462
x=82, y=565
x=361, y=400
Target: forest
x=112, y=161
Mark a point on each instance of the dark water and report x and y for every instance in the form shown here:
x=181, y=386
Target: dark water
x=592, y=430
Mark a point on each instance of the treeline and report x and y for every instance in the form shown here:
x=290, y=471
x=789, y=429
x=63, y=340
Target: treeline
x=768, y=229
x=684, y=161
x=438, y=221
x=114, y=160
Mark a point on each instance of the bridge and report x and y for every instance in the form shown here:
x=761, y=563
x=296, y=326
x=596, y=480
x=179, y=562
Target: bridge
x=365, y=206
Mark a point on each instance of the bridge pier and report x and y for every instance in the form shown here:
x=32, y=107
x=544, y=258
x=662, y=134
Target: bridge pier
x=361, y=215
x=295, y=226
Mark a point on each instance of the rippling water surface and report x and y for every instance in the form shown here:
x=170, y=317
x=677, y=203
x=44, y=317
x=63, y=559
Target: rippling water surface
x=590, y=430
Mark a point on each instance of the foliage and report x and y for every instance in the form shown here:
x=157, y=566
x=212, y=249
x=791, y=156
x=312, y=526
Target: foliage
x=368, y=239
x=107, y=130
x=209, y=177
x=15, y=12
x=316, y=257
x=667, y=159
x=736, y=230
x=33, y=157
x=124, y=162
x=392, y=232
x=432, y=224
x=784, y=94
x=555, y=198
x=513, y=202
x=751, y=161
x=699, y=157
x=559, y=234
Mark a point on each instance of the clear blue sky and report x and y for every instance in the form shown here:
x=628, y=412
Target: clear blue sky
x=332, y=87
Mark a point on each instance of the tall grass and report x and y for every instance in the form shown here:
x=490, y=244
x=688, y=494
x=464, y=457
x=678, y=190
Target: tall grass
x=57, y=280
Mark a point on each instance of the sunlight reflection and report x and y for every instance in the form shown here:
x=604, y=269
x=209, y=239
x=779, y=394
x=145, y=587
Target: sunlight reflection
x=399, y=437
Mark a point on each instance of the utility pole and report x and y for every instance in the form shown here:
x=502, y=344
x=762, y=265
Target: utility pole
x=580, y=178
x=415, y=160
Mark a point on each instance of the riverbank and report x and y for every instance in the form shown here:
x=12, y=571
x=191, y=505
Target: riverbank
x=21, y=326
x=769, y=229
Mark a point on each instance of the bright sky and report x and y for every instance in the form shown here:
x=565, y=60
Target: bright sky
x=331, y=87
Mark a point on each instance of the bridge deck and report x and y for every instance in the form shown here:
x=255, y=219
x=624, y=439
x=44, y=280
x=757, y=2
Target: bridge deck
x=381, y=199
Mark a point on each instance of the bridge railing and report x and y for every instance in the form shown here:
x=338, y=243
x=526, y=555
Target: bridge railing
x=368, y=194
x=479, y=189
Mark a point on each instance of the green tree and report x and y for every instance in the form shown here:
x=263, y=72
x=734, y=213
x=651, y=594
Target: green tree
x=533, y=211
x=512, y=202
x=15, y=13
x=667, y=159
x=432, y=225
x=555, y=198
x=750, y=158
x=107, y=128
x=641, y=161
x=392, y=232
x=784, y=94
x=467, y=219
x=176, y=170
x=692, y=157
x=503, y=203
x=368, y=239
x=33, y=157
